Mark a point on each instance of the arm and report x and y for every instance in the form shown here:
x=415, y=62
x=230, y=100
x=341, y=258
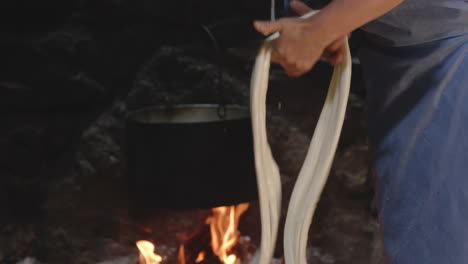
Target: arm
x=303, y=41
x=348, y=15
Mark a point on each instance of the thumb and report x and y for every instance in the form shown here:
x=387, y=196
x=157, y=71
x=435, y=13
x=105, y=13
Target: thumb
x=268, y=27
x=300, y=8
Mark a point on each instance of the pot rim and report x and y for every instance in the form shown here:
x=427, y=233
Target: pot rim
x=132, y=116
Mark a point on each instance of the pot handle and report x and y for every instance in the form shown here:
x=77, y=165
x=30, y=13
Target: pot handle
x=219, y=76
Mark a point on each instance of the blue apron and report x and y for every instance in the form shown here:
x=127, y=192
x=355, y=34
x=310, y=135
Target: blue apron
x=415, y=63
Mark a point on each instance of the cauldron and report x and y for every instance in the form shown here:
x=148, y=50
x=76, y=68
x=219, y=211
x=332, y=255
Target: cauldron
x=190, y=156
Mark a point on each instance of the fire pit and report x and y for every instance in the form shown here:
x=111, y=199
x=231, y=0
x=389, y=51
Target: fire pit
x=217, y=242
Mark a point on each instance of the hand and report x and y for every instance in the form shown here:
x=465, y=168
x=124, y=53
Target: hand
x=301, y=42
x=333, y=52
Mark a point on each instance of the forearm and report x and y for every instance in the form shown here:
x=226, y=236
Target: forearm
x=303, y=41
x=341, y=17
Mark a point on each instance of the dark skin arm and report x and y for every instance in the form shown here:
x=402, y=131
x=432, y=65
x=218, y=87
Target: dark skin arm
x=303, y=41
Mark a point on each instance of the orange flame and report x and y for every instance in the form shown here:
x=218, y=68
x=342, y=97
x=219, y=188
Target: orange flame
x=224, y=235
x=181, y=256
x=200, y=257
x=147, y=255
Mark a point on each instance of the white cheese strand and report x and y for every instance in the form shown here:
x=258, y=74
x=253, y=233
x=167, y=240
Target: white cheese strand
x=268, y=177
x=315, y=170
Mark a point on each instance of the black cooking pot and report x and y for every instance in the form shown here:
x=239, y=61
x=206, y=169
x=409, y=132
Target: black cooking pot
x=190, y=156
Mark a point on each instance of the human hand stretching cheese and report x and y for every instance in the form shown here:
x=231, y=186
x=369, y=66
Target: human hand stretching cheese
x=414, y=59
x=304, y=41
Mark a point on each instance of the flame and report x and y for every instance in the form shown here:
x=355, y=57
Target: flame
x=147, y=255
x=181, y=256
x=224, y=235
x=200, y=257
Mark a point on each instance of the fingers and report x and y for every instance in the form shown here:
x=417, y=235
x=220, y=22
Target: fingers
x=335, y=58
x=291, y=69
x=300, y=8
x=268, y=27
x=295, y=73
x=336, y=45
x=333, y=53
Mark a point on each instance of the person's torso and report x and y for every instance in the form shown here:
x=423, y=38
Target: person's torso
x=420, y=21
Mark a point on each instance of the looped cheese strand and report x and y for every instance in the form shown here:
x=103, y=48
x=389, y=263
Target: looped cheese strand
x=316, y=167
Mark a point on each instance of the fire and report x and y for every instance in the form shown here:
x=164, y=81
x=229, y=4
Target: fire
x=147, y=255
x=224, y=235
x=200, y=257
x=181, y=256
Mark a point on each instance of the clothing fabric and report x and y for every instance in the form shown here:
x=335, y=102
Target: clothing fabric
x=419, y=21
x=415, y=64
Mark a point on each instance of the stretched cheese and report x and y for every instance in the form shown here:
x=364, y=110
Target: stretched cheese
x=316, y=167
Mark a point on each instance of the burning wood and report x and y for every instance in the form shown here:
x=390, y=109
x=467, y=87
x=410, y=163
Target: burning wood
x=224, y=235
x=190, y=252
x=216, y=242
